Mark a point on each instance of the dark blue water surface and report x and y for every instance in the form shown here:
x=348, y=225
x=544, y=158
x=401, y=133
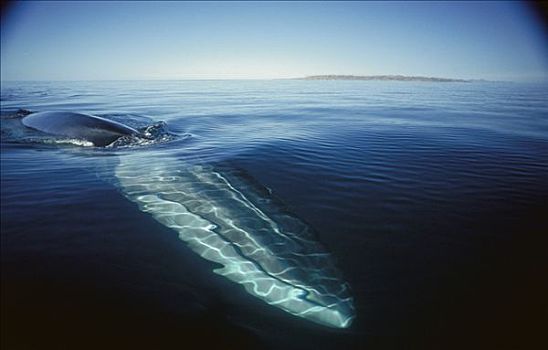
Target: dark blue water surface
x=432, y=198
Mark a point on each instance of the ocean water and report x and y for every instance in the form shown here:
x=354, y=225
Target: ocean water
x=431, y=199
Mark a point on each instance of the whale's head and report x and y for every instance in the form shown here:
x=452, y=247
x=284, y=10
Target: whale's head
x=336, y=311
x=302, y=283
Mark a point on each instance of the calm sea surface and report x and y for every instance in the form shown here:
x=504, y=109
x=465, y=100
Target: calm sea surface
x=431, y=197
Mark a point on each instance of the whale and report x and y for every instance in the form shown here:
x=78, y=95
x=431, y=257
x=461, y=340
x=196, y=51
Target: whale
x=249, y=235
x=99, y=131
x=258, y=243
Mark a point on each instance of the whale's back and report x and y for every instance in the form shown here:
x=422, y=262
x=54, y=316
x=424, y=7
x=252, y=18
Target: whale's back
x=99, y=131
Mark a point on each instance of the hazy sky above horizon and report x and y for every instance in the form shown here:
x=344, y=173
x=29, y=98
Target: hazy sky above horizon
x=195, y=40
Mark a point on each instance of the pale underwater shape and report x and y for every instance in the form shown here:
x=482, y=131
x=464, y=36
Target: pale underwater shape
x=271, y=253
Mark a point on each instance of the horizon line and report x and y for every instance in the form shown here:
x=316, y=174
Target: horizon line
x=286, y=78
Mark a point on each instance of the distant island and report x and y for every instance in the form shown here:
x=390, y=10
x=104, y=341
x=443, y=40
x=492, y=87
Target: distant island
x=385, y=78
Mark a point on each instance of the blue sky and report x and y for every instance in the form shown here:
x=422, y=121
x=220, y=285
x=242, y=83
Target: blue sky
x=188, y=40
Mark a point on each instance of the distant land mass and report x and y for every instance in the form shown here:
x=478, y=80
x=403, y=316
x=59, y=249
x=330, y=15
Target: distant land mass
x=384, y=77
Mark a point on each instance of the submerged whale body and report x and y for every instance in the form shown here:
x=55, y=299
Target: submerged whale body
x=99, y=131
x=275, y=256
